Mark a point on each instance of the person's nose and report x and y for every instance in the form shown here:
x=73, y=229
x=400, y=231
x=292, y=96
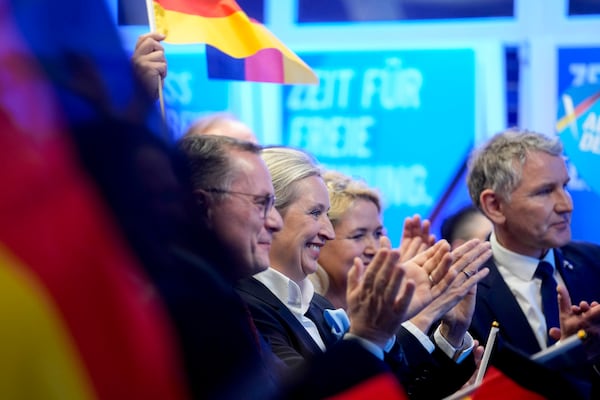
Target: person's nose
x=273, y=222
x=371, y=245
x=326, y=232
x=564, y=202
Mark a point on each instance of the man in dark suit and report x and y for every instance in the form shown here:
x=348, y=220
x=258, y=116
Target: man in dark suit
x=518, y=179
x=283, y=308
x=423, y=375
x=233, y=187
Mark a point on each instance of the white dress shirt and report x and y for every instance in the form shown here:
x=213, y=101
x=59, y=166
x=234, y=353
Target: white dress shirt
x=295, y=297
x=320, y=281
x=518, y=272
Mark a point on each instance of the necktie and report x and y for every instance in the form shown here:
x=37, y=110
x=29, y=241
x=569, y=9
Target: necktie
x=545, y=272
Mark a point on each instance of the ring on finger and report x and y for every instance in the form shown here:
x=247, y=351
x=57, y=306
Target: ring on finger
x=468, y=273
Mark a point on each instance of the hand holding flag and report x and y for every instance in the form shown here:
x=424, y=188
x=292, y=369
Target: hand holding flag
x=237, y=47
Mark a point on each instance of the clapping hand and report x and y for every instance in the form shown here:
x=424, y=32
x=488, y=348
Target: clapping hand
x=584, y=316
x=421, y=268
x=378, y=296
x=416, y=237
x=453, y=293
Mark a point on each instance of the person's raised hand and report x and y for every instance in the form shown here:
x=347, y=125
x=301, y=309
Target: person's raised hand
x=573, y=318
x=416, y=237
x=468, y=261
x=378, y=297
x=420, y=269
x=149, y=61
x=453, y=293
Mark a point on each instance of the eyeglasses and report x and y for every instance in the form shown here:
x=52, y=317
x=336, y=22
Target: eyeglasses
x=264, y=202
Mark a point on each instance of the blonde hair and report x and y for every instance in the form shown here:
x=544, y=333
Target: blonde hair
x=287, y=166
x=344, y=191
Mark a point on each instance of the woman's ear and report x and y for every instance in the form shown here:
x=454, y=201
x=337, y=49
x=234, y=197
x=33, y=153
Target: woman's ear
x=492, y=206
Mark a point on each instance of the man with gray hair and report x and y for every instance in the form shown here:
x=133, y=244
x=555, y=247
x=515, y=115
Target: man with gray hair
x=233, y=187
x=518, y=179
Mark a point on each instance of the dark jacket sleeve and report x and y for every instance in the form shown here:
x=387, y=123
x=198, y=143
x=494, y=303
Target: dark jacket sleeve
x=424, y=375
x=279, y=336
x=345, y=368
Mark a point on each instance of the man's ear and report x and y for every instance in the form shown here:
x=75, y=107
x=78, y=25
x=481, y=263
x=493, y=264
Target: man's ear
x=492, y=206
x=205, y=204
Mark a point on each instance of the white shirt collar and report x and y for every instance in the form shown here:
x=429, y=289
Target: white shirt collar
x=295, y=296
x=519, y=265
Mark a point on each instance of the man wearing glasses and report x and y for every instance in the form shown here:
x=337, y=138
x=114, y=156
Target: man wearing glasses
x=233, y=185
x=234, y=190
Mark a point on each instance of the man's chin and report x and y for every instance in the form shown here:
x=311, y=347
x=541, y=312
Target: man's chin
x=561, y=240
x=261, y=266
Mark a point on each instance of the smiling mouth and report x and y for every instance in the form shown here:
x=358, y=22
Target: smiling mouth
x=561, y=224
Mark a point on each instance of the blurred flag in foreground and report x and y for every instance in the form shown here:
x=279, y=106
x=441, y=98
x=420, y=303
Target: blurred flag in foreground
x=237, y=47
x=498, y=386
x=78, y=315
x=513, y=375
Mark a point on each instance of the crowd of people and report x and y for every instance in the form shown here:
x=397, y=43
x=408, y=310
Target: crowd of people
x=322, y=230
x=279, y=281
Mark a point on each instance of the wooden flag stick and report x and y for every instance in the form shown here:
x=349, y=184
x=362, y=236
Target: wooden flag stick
x=487, y=352
x=152, y=25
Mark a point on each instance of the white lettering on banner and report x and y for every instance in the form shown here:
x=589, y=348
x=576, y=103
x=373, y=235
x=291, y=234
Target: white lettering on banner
x=584, y=73
x=392, y=86
x=333, y=91
x=401, y=185
x=178, y=89
x=335, y=136
x=347, y=133
x=590, y=139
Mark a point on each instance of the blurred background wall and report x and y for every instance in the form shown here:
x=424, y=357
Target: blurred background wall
x=407, y=88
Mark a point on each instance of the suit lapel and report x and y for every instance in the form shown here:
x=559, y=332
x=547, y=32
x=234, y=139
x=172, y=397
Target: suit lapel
x=315, y=312
x=294, y=328
x=496, y=296
x=574, y=276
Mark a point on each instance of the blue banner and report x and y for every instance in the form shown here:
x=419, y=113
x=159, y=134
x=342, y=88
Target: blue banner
x=579, y=129
x=578, y=124
x=188, y=92
x=401, y=120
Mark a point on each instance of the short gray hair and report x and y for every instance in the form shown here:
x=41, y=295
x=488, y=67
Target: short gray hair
x=498, y=164
x=287, y=166
x=211, y=165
